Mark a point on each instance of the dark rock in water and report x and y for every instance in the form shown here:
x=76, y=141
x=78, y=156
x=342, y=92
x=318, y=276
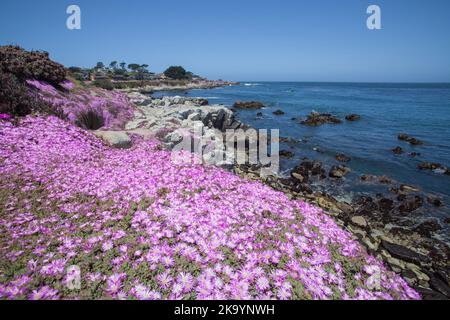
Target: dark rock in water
x=439, y=285
x=435, y=167
x=309, y=168
x=353, y=117
x=428, y=294
x=428, y=227
x=384, y=180
x=293, y=119
x=259, y=114
x=397, y=150
x=434, y=201
x=278, y=112
x=286, y=154
x=403, y=253
x=411, y=140
x=414, y=154
x=342, y=157
x=339, y=171
x=373, y=178
x=368, y=177
x=410, y=204
x=248, y=105
x=317, y=119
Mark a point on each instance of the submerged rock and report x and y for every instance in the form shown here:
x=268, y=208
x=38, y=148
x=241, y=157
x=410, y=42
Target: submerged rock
x=397, y=150
x=435, y=201
x=278, y=112
x=409, y=139
x=435, y=167
x=342, y=157
x=385, y=180
x=353, y=117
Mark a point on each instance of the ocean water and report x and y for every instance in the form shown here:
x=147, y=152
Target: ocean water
x=420, y=110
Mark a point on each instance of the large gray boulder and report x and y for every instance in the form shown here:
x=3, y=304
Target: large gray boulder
x=116, y=139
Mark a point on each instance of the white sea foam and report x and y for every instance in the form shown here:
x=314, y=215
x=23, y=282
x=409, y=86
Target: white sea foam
x=252, y=84
x=208, y=98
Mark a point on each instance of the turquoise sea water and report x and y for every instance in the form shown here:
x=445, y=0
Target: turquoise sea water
x=420, y=110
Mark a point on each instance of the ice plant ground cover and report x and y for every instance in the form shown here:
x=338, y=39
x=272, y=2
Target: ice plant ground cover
x=140, y=227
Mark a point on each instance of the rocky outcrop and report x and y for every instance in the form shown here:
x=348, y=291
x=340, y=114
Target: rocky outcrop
x=168, y=85
x=317, y=119
x=279, y=113
x=171, y=113
x=408, y=249
x=397, y=150
x=339, y=171
x=171, y=119
x=248, y=105
x=406, y=254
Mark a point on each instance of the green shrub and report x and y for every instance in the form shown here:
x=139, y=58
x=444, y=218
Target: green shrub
x=104, y=84
x=176, y=72
x=90, y=119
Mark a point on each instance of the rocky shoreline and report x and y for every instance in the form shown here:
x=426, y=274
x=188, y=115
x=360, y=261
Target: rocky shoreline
x=154, y=86
x=378, y=221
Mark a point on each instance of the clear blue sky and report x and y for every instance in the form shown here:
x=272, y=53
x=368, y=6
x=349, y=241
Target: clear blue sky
x=304, y=40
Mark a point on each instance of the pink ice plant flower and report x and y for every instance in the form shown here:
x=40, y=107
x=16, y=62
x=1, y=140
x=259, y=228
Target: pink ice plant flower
x=142, y=227
x=114, y=107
